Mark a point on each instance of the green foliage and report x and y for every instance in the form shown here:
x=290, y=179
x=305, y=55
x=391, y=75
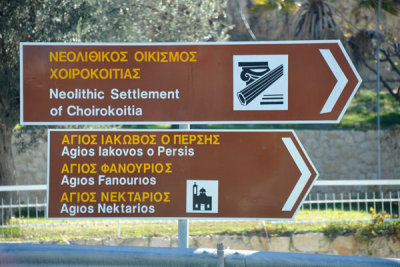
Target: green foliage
x=390, y=6
x=361, y=113
x=334, y=229
x=287, y=6
x=328, y=225
x=94, y=21
x=153, y=21
x=26, y=21
x=379, y=226
x=9, y=233
x=28, y=137
x=32, y=212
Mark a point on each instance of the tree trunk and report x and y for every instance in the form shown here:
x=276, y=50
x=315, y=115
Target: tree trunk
x=7, y=171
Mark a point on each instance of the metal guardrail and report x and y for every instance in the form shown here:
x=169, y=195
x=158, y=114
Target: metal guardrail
x=73, y=255
x=355, y=182
x=13, y=188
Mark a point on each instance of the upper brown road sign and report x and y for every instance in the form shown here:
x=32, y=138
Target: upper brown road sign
x=176, y=174
x=262, y=82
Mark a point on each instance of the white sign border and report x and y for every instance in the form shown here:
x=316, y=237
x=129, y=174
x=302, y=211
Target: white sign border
x=22, y=122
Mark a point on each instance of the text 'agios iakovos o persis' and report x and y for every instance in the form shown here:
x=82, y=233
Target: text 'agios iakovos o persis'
x=135, y=145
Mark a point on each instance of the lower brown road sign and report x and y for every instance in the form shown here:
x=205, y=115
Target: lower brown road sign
x=176, y=174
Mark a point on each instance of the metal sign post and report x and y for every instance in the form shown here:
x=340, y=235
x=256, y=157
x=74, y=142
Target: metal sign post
x=378, y=89
x=183, y=224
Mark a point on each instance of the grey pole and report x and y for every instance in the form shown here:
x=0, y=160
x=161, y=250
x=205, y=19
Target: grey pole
x=378, y=89
x=183, y=233
x=183, y=224
x=220, y=255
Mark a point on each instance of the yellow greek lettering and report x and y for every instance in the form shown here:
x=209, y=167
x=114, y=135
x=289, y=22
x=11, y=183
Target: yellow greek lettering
x=193, y=56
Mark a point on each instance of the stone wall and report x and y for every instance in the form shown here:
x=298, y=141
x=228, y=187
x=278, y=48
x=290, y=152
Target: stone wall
x=31, y=165
x=352, y=155
x=337, y=154
x=317, y=243
x=305, y=243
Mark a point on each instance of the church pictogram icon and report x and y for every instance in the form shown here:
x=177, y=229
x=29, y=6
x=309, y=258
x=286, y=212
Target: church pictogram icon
x=201, y=201
x=202, y=196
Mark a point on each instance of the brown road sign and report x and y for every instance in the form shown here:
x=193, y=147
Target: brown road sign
x=176, y=174
x=261, y=82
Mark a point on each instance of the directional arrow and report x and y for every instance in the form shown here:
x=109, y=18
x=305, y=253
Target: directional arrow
x=340, y=77
x=258, y=82
x=305, y=174
x=177, y=174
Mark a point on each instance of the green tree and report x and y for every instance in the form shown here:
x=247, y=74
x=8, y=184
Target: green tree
x=364, y=43
x=88, y=21
x=315, y=19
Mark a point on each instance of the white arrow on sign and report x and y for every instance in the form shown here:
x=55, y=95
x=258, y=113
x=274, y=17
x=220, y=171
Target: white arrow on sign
x=340, y=77
x=304, y=177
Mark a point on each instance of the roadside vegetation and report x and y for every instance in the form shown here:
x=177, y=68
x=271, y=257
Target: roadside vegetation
x=361, y=113
x=364, y=225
